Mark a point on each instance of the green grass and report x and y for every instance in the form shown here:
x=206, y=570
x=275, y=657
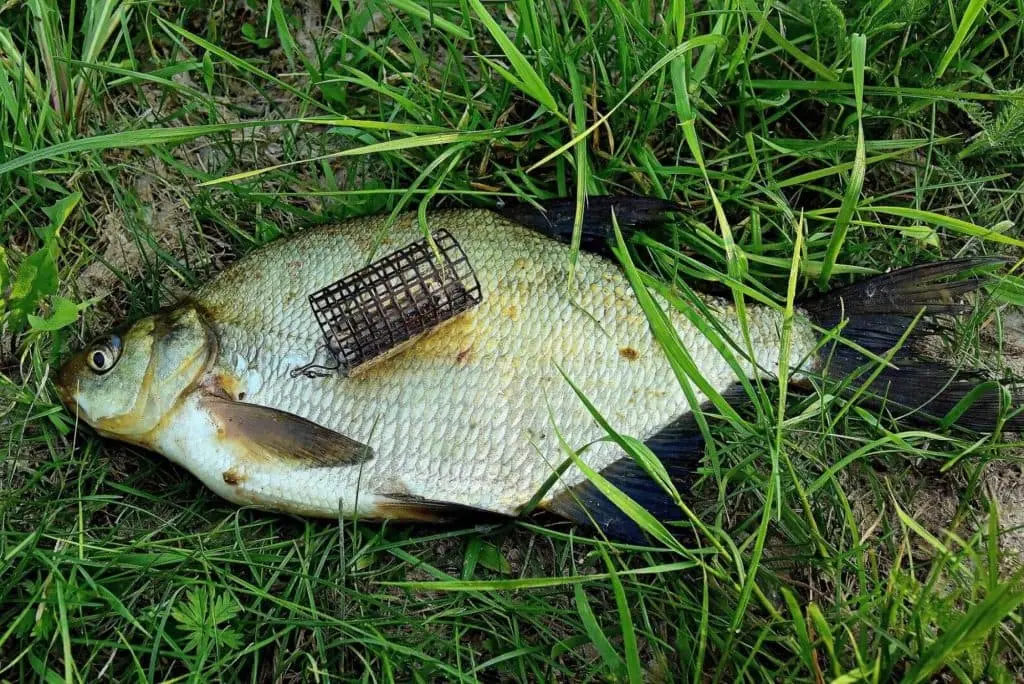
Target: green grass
x=813, y=139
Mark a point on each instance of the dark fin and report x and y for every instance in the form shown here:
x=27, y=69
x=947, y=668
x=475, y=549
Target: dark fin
x=679, y=446
x=417, y=508
x=276, y=437
x=878, y=312
x=555, y=218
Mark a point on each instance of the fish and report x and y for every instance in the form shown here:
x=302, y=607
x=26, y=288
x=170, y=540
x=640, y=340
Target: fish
x=473, y=418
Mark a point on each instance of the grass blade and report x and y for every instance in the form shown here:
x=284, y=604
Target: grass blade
x=954, y=224
x=430, y=16
x=858, y=45
x=444, y=584
x=525, y=77
x=240, y=64
x=969, y=631
x=409, y=143
x=679, y=50
x=819, y=69
x=971, y=12
x=129, y=139
x=629, y=645
x=613, y=661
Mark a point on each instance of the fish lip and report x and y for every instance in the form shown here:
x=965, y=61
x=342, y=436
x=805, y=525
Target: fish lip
x=66, y=384
x=67, y=397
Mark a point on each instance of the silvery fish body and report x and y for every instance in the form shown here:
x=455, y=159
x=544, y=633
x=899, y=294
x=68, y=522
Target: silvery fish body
x=476, y=415
x=472, y=413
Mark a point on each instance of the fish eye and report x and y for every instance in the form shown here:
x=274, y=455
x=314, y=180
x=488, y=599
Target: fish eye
x=104, y=354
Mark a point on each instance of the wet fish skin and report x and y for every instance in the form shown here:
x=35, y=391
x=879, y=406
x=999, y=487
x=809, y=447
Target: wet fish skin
x=468, y=415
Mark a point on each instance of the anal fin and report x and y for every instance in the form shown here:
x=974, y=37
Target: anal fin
x=679, y=446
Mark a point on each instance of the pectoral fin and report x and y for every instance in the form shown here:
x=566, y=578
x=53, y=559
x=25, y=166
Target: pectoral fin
x=273, y=436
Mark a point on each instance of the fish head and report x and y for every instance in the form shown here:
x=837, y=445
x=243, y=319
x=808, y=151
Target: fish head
x=129, y=381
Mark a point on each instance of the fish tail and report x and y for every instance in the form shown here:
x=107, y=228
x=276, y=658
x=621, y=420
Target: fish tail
x=875, y=315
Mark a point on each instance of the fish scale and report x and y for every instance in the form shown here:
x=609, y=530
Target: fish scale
x=451, y=418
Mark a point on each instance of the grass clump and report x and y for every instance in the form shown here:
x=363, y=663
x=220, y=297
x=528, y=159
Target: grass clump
x=142, y=146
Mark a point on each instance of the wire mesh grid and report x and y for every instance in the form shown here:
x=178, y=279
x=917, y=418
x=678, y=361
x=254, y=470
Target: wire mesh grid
x=408, y=292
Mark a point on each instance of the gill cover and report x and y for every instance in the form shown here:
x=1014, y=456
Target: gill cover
x=124, y=384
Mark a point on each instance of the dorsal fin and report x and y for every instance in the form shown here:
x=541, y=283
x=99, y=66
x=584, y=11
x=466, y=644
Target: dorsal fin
x=555, y=217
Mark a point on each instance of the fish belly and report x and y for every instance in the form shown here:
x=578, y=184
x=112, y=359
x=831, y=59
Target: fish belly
x=476, y=412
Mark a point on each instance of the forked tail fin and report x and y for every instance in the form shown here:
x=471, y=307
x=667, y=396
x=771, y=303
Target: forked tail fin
x=878, y=312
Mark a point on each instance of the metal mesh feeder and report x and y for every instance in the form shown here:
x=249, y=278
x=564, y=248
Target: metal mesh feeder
x=377, y=309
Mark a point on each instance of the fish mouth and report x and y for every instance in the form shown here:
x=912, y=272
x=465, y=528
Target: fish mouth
x=64, y=384
x=67, y=399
